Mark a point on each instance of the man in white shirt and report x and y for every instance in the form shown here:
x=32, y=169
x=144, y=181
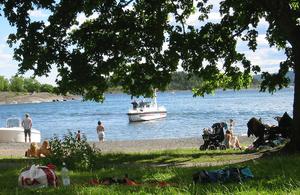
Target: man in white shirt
x=27, y=124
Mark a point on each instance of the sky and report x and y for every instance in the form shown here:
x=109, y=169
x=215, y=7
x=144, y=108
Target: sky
x=268, y=58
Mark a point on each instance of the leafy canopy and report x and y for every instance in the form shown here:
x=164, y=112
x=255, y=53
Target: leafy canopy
x=138, y=44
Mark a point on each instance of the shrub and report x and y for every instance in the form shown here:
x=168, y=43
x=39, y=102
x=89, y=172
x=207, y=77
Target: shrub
x=4, y=84
x=76, y=154
x=31, y=85
x=47, y=88
x=16, y=84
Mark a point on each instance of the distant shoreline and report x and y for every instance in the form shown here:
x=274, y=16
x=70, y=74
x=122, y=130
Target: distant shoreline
x=23, y=98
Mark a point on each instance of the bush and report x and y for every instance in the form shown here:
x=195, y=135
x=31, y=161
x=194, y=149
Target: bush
x=47, y=88
x=4, y=84
x=76, y=154
x=31, y=85
x=16, y=84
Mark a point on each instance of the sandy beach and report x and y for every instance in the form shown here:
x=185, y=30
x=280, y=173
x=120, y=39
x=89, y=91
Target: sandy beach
x=18, y=149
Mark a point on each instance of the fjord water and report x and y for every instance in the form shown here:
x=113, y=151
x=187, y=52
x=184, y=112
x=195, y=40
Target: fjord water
x=187, y=116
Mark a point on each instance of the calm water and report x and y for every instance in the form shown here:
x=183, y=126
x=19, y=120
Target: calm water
x=187, y=116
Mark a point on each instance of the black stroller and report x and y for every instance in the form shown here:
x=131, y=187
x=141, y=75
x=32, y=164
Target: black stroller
x=213, y=140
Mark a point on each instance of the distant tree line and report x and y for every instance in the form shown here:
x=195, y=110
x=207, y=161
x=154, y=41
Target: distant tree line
x=181, y=81
x=21, y=84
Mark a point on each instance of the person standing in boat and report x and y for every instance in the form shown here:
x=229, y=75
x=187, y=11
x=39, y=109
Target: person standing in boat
x=100, y=131
x=134, y=104
x=27, y=124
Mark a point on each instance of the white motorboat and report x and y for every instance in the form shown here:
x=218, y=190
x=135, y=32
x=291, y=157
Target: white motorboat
x=145, y=111
x=14, y=132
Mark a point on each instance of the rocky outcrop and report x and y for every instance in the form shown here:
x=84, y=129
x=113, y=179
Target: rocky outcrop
x=22, y=98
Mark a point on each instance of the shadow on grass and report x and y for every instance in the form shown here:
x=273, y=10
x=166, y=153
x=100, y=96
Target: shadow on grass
x=280, y=174
x=161, y=158
x=17, y=163
x=272, y=174
x=166, y=158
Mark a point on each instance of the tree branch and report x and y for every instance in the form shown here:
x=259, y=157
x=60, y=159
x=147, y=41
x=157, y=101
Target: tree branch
x=240, y=31
x=180, y=18
x=125, y=4
x=281, y=13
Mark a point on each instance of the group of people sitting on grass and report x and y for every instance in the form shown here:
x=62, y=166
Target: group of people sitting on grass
x=36, y=151
x=267, y=135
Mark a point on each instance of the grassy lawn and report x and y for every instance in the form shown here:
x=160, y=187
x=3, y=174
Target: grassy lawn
x=273, y=174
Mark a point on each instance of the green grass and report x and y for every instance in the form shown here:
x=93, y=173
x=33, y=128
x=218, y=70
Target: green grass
x=273, y=174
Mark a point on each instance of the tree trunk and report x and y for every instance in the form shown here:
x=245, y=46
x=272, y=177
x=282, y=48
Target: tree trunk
x=294, y=145
x=283, y=16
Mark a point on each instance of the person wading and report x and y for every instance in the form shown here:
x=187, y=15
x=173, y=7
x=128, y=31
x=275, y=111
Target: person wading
x=100, y=131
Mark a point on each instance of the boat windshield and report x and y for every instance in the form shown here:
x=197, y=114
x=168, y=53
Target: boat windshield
x=141, y=104
x=12, y=122
x=144, y=104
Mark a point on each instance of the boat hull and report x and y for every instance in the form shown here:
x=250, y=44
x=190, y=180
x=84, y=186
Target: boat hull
x=146, y=116
x=16, y=134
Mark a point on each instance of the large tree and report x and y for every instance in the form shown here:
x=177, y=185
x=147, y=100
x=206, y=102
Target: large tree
x=138, y=44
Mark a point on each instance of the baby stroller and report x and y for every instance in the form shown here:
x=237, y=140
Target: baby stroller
x=213, y=139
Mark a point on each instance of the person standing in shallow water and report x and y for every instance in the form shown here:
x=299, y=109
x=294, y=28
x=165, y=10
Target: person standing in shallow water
x=27, y=124
x=78, y=136
x=100, y=131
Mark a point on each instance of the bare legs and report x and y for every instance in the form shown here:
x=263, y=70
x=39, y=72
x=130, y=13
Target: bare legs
x=232, y=141
x=236, y=142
